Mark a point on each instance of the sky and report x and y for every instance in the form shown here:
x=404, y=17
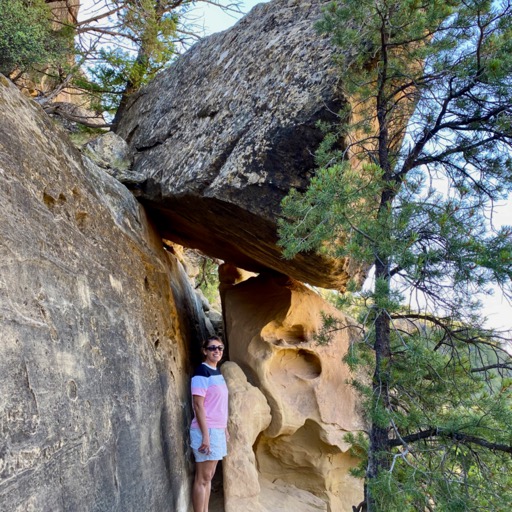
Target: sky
x=213, y=18
x=216, y=20
x=496, y=308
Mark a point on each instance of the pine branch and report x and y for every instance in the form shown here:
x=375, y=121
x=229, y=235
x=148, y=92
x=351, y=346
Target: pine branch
x=507, y=366
x=457, y=436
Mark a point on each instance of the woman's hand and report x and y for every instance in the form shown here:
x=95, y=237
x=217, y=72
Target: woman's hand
x=198, y=403
x=205, y=445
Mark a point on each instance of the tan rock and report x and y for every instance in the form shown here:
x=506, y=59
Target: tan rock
x=96, y=326
x=271, y=322
x=63, y=13
x=282, y=497
x=249, y=415
x=230, y=275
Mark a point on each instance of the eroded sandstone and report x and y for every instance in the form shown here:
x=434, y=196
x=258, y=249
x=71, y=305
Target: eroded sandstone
x=96, y=321
x=271, y=322
x=249, y=415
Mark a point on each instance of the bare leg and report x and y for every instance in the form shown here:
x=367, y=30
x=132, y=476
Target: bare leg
x=203, y=484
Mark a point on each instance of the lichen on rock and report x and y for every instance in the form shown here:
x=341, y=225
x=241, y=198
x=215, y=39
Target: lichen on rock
x=221, y=137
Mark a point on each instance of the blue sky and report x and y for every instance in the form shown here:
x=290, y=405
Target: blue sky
x=216, y=20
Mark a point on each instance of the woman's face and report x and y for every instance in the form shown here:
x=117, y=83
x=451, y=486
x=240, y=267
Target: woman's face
x=214, y=352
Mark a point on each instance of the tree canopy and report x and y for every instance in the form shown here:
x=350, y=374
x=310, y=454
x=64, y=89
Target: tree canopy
x=27, y=39
x=119, y=45
x=406, y=182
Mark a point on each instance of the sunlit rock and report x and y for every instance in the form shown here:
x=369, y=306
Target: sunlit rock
x=271, y=322
x=249, y=415
x=96, y=326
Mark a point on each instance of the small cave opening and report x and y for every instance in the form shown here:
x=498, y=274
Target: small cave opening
x=300, y=363
x=311, y=367
x=291, y=335
x=285, y=335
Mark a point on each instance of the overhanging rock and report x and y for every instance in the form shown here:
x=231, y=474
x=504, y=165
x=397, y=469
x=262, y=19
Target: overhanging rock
x=221, y=137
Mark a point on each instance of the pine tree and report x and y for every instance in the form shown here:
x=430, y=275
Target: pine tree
x=120, y=45
x=123, y=44
x=430, y=105
x=26, y=36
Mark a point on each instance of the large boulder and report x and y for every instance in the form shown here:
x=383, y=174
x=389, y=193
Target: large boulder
x=96, y=321
x=272, y=323
x=221, y=137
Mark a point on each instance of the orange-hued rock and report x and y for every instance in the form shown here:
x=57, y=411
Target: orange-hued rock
x=98, y=326
x=271, y=322
x=249, y=416
x=64, y=13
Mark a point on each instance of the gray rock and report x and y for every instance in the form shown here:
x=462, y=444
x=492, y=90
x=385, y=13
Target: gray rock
x=215, y=317
x=96, y=322
x=221, y=137
x=111, y=153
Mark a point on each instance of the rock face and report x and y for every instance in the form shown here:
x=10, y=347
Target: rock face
x=110, y=152
x=221, y=137
x=249, y=415
x=63, y=12
x=271, y=322
x=96, y=321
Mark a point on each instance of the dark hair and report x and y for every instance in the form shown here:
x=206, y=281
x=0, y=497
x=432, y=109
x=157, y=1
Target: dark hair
x=207, y=342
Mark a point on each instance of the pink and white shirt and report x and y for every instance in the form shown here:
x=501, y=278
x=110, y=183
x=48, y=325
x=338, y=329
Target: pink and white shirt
x=210, y=383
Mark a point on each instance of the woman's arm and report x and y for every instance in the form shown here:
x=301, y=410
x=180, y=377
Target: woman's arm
x=198, y=403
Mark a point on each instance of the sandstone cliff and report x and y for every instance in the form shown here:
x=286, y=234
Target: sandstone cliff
x=63, y=12
x=98, y=323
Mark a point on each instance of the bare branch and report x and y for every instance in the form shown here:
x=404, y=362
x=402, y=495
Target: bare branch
x=457, y=436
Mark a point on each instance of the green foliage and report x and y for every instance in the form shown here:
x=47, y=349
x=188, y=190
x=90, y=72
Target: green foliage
x=84, y=134
x=26, y=36
x=337, y=192
x=208, y=281
x=144, y=44
x=436, y=391
x=114, y=70
x=126, y=43
x=103, y=59
x=430, y=93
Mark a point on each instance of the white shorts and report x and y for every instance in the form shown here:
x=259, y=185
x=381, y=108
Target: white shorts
x=218, y=448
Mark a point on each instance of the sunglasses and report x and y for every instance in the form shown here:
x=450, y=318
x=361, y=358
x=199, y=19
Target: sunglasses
x=213, y=348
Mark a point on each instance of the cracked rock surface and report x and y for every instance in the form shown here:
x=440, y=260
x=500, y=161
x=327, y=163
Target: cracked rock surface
x=220, y=138
x=96, y=321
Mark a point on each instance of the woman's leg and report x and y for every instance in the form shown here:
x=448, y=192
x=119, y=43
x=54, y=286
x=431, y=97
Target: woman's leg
x=203, y=484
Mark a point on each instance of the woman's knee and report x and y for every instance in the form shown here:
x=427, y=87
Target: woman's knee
x=205, y=473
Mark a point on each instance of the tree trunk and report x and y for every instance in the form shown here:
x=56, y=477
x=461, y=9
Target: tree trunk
x=129, y=90
x=378, y=458
x=143, y=57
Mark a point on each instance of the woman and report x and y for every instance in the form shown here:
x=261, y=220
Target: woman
x=208, y=429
